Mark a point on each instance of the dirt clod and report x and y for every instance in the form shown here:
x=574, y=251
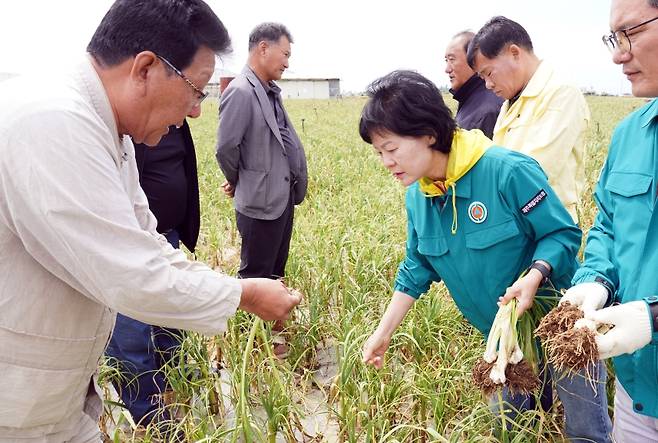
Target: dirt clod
x=481, y=378
x=569, y=349
x=560, y=319
x=521, y=379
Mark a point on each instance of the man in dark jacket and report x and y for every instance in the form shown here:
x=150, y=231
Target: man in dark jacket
x=478, y=107
x=168, y=176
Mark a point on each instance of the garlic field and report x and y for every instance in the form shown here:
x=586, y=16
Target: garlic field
x=348, y=239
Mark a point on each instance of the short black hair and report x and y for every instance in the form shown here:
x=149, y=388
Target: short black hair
x=407, y=104
x=653, y=3
x=268, y=31
x=173, y=29
x=494, y=36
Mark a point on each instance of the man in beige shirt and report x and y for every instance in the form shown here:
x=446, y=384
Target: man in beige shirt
x=542, y=116
x=78, y=242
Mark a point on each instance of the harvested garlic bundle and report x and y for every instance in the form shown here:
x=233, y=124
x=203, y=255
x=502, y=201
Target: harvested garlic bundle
x=502, y=362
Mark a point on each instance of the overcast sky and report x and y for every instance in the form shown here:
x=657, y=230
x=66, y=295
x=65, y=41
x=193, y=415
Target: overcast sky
x=356, y=40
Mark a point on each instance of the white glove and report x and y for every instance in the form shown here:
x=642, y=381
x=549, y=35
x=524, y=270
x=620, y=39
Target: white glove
x=632, y=328
x=589, y=296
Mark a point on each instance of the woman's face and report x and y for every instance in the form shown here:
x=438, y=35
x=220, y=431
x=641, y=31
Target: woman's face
x=408, y=158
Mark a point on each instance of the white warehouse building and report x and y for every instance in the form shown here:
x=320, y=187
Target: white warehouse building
x=309, y=87
x=291, y=87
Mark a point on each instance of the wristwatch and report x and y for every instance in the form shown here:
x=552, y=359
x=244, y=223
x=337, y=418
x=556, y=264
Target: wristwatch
x=543, y=270
x=652, y=303
x=611, y=290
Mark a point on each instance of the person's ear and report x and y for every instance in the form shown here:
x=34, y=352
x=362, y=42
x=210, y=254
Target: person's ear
x=141, y=71
x=263, y=46
x=514, y=50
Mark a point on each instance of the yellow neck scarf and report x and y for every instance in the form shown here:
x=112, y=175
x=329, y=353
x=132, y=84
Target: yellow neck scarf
x=466, y=149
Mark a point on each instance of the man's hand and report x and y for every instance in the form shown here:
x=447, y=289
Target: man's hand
x=524, y=290
x=375, y=348
x=229, y=189
x=589, y=297
x=631, y=331
x=268, y=299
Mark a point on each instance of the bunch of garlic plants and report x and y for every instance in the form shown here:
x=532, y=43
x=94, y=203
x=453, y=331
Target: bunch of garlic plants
x=503, y=362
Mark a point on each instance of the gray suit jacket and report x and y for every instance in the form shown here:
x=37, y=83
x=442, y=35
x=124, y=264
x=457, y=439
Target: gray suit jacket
x=251, y=153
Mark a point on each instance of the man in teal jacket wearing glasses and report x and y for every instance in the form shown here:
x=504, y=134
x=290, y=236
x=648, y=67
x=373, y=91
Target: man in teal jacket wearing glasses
x=621, y=257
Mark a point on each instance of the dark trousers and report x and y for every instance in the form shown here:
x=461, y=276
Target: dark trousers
x=265, y=244
x=140, y=351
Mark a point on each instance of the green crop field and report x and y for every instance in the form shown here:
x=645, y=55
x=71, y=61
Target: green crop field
x=348, y=240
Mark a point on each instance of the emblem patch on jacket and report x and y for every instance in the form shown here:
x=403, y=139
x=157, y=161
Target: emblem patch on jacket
x=477, y=212
x=534, y=201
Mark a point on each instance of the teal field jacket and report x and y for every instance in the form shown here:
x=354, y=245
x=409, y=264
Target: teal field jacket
x=622, y=246
x=507, y=217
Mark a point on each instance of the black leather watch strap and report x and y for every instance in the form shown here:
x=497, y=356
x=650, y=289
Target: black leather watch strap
x=652, y=301
x=543, y=270
x=654, y=316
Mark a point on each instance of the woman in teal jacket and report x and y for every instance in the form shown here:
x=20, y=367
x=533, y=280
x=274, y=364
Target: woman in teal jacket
x=478, y=216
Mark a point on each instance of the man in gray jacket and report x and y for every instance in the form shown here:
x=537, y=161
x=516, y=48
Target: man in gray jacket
x=261, y=155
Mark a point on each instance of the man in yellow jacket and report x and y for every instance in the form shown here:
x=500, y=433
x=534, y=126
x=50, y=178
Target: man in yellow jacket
x=541, y=117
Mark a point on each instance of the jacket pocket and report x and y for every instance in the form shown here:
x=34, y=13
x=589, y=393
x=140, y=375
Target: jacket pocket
x=628, y=184
x=37, y=397
x=251, y=189
x=494, y=255
x=487, y=237
x=434, y=246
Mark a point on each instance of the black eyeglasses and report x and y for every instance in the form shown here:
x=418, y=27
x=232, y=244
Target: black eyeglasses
x=201, y=96
x=619, y=40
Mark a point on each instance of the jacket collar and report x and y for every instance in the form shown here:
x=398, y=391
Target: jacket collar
x=538, y=81
x=461, y=191
x=649, y=113
x=468, y=146
x=466, y=150
x=255, y=81
x=472, y=84
x=464, y=188
x=264, y=101
x=92, y=88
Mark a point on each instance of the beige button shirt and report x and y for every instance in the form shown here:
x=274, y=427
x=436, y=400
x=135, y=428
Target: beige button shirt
x=548, y=122
x=78, y=244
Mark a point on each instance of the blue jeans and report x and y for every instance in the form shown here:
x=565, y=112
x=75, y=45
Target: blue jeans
x=585, y=403
x=140, y=352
